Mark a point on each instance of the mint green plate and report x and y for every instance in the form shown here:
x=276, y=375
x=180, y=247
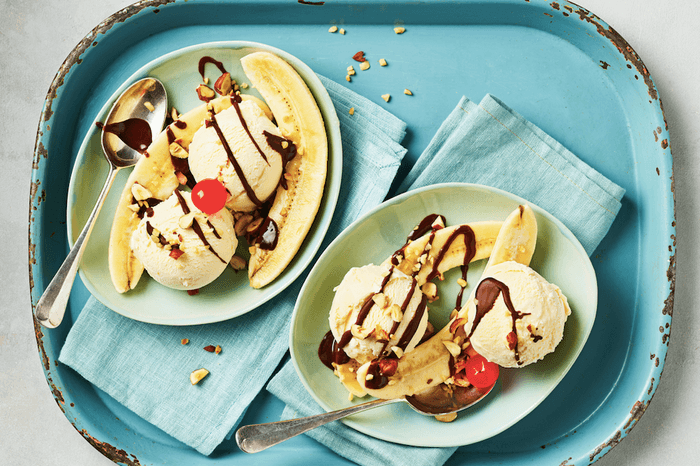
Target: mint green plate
x=559, y=257
x=230, y=295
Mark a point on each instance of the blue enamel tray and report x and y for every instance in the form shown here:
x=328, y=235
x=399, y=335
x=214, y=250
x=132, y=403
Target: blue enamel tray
x=556, y=63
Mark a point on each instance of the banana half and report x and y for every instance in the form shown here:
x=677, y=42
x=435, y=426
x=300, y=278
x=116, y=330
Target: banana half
x=299, y=120
x=428, y=364
x=293, y=210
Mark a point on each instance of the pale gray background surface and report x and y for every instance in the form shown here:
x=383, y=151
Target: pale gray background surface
x=35, y=38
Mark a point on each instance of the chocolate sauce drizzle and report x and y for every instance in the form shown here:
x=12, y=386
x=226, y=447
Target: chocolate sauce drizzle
x=180, y=165
x=234, y=102
x=195, y=225
x=268, y=234
x=239, y=171
x=134, y=132
x=204, y=60
x=486, y=294
x=423, y=227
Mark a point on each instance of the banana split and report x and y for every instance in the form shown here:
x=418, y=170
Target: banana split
x=381, y=343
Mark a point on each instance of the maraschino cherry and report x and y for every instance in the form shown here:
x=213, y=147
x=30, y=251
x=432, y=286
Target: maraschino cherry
x=209, y=196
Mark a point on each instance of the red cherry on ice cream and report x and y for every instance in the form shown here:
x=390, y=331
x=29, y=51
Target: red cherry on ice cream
x=209, y=196
x=480, y=372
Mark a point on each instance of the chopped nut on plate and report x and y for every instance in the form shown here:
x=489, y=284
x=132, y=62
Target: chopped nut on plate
x=382, y=62
x=407, y=92
x=197, y=375
x=333, y=29
x=399, y=29
x=386, y=97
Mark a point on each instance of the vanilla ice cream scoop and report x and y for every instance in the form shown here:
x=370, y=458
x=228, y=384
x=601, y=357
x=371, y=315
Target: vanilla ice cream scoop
x=180, y=246
x=515, y=317
x=244, y=162
x=377, y=309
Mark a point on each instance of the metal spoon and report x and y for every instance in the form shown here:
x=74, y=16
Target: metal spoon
x=440, y=400
x=130, y=106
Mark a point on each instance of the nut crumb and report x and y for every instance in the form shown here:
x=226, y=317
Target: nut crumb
x=333, y=29
x=399, y=30
x=348, y=78
x=184, y=341
x=206, y=80
x=382, y=62
x=352, y=111
x=386, y=97
x=407, y=92
x=446, y=417
x=462, y=282
x=197, y=375
x=364, y=66
x=209, y=348
x=217, y=350
x=342, y=31
x=237, y=262
x=149, y=106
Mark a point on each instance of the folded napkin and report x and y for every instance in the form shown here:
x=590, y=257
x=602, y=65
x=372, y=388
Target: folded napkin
x=478, y=144
x=491, y=144
x=146, y=368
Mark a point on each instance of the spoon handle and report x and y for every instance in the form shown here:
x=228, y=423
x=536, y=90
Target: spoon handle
x=258, y=437
x=51, y=307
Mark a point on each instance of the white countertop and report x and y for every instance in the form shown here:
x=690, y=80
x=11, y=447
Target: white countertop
x=35, y=38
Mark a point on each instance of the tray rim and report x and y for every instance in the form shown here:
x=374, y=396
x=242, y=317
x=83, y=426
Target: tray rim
x=45, y=346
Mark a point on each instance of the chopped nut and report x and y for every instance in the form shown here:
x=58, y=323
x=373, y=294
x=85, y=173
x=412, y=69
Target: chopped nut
x=217, y=350
x=360, y=332
x=223, y=85
x=342, y=31
x=176, y=150
x=254, y=225
x=380, y=300
x=348, y=78
x=206, y=80
x=237, y=262
x=351, y=70
x=399, y=30
x=452, y=347
x=430, y=290
x=186, y=220
x=369, y=376
x=134, y=207
x=462, y=282
x=380, y=333
x=382, y=62
x=396, y=313
x=140, y=193
x=350, y=396
x=149, y=106
x=359, y=56
x=446, y=417
x=173, y=113
x=209, y=348
x=407, y=92
x=397, y=351
x=364, y=65
x=184, y=341
x=198, y=375
x=333, y=29
x=205, y=93
x=352, y=111
x=386, y=97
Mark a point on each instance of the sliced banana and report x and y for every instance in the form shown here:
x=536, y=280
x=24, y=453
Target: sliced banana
x=428, y=364
x=299, y=120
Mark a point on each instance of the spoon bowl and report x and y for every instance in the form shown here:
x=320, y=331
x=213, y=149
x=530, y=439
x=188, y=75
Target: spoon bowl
x=138, y=113
x=441, y=401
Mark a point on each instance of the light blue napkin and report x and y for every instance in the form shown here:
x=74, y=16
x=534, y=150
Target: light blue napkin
x=477, y=144
x=491, y=144
x=146, y=368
